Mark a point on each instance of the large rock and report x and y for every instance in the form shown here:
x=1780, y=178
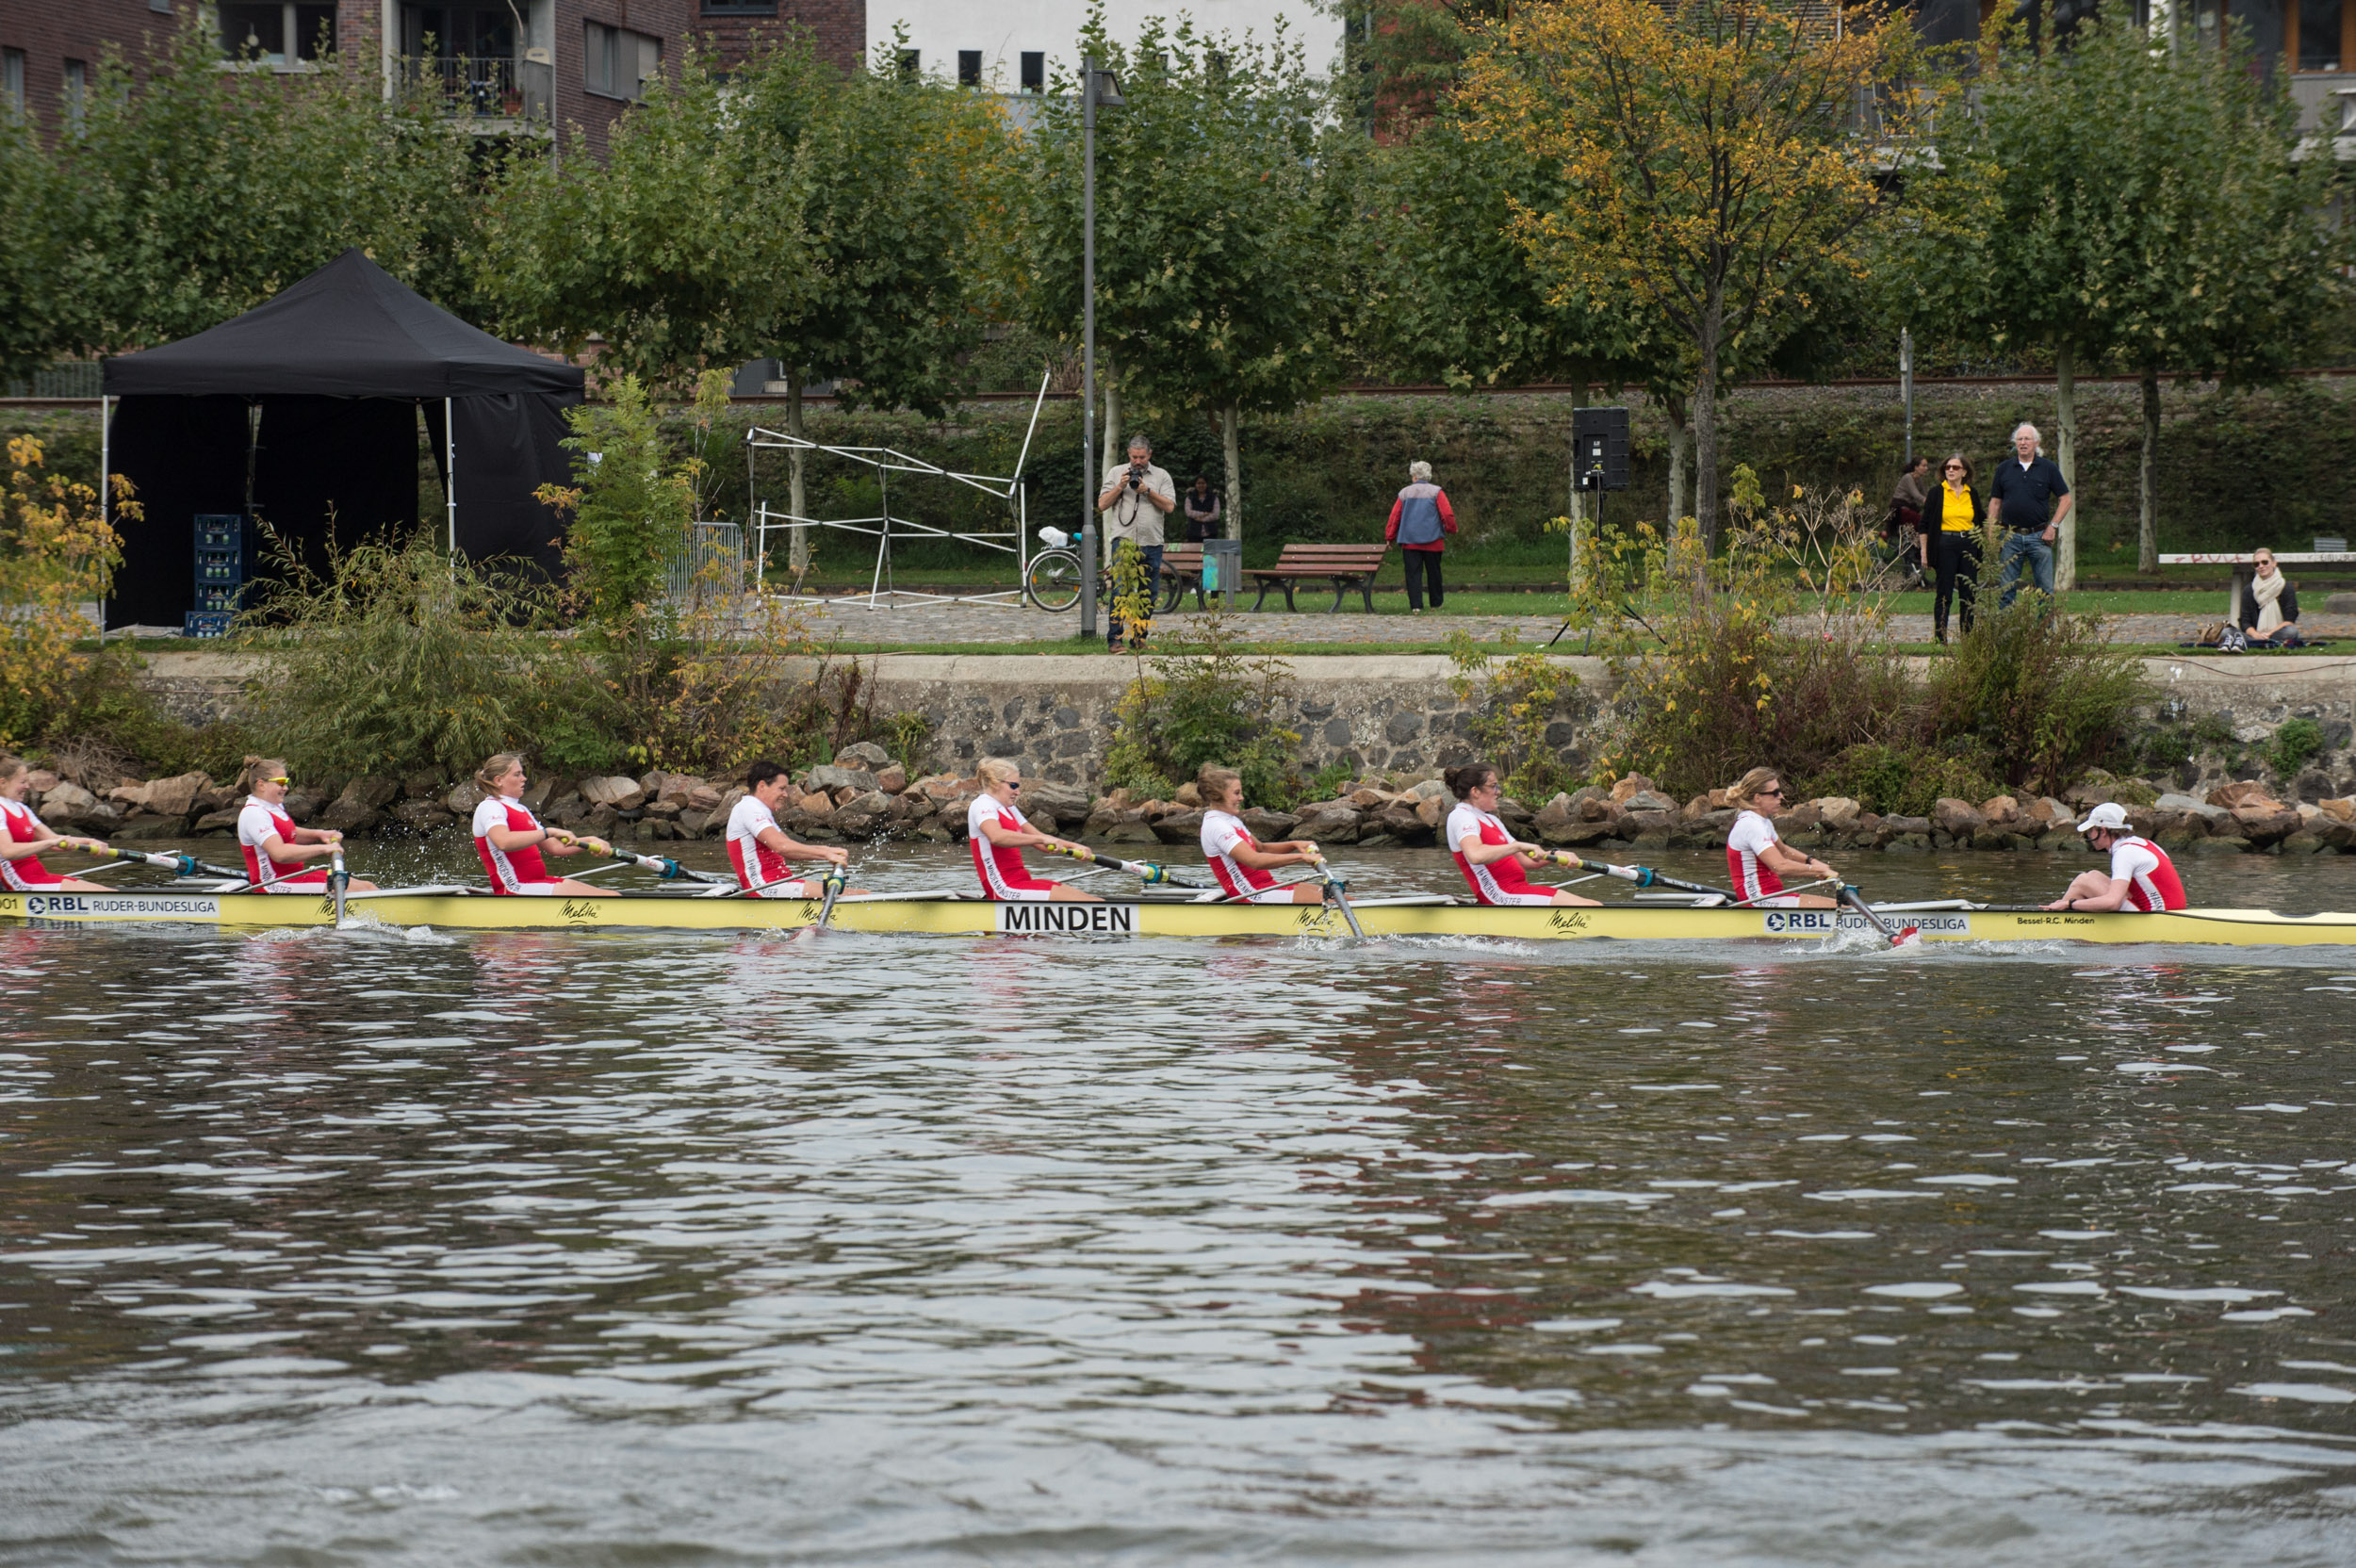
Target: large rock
x=2248, y=791
x=864, y=753
x=2343, y=810
x=675, y=787
x=892, y=780
x=1267, y=827
x=622, y=794
x=815, y=804
x=1179, y=827
x=300, y=806
x=2001, y=811
x=422, y=816
x=424, y=784
x=361, y=805
x=1839, y=811
x=704, y=797
x=146, y=825
x=463, y=799
x=940, y=786
x=828, y=777
x=1957, y=818
x=1647, y=800
x=1332, y=824
x=2265, y=823
x=62, y=803
x=1630, y=788
x=1402, y=823
x=165, y=797
x=1067, y=803
x=217, y=824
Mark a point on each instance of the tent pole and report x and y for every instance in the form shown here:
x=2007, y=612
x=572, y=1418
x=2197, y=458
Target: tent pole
x=449, y=474
x=106, y=513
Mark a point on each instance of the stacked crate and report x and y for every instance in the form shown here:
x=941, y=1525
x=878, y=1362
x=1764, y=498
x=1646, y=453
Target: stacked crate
x=221, y=573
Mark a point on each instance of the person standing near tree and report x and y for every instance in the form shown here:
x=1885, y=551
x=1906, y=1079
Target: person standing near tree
x=2029, y=497
x=1418, y=518
x=1135, y=498
x=1203, y=510
x=1949, y=526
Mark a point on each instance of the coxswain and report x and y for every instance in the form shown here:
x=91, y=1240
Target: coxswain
x=28, y=838
x=1495, y=863
x=998, y=834
x=509, y=838
x=1243, y=865
x=2141, y=877
x=758, y=849
x=275, y=849
x=1757, y=858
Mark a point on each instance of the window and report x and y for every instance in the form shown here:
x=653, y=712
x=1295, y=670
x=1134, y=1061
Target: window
x=266, y=30
x=1034, y=70
x=740, y=8
x=456, y=32
x=12, y=83
x=2317, y=40
x=163, y=6
x=911, y=63
x=77, y=92
x=617, y=63
x=969, y=68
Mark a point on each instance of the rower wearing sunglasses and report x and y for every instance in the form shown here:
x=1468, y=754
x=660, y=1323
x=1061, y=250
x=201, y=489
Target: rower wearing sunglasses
x=999, y=833
x=1757, y=858
x=275, y=849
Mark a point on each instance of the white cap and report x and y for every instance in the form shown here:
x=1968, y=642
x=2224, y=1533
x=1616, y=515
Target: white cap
x=2109, y=814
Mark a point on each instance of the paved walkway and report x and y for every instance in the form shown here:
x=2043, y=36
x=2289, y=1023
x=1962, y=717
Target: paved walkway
x=993, y=623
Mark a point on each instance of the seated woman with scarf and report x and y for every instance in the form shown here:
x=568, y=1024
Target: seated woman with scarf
x=2270, y=610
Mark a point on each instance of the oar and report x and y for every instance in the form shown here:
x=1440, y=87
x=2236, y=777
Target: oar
x=1338, y=891
x=661, y=865
x=834, y=885
x=1897, y=938
x=338, y=882
x=179, y=865
x=1144, y=870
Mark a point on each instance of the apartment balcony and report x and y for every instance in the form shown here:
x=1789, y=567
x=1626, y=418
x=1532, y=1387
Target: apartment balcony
x=491, y=94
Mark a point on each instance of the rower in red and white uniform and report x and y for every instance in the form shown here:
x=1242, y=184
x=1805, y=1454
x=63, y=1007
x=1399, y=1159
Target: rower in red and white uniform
x=998, y=834
x=273, y=846
x=758, y=849
x=28, y=838
x=509, y=838
x=1244, y=867
x=1495, y=863
x=2141, y=879
x=1757, y=860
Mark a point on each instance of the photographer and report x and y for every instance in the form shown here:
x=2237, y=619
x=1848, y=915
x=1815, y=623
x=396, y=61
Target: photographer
x=1136, y=498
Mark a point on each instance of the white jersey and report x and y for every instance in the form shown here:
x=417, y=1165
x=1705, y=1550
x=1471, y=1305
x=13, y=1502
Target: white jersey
x=1223, y=832
x=18, y=822
x=1499, y=881
x=1000, y=866
x=756, y=864
x=511, y=872
x=1745, y=842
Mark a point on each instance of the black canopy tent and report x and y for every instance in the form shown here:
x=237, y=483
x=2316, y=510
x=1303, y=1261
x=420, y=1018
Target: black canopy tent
x=303, y=412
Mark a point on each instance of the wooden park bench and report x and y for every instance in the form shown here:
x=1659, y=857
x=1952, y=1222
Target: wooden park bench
x=1182, y=569
x=1346, y=567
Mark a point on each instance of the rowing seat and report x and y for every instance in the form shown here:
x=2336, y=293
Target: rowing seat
x=1346, y=567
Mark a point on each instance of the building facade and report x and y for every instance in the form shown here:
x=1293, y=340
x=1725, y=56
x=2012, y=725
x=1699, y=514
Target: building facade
x=1016, y=46
x=565, y=69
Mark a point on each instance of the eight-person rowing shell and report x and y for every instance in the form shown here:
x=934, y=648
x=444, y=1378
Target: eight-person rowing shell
x=28, y=838
x=275, y=849
x=509, y=838
x=2141, y=877
x=1244, y=867
x=998, y=834
x=758, y=849
x=1495, y=863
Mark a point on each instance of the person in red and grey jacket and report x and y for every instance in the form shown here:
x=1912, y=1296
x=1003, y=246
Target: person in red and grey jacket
x=1418, y=518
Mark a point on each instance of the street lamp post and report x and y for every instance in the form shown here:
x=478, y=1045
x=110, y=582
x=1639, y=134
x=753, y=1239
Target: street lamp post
x=1094, y=84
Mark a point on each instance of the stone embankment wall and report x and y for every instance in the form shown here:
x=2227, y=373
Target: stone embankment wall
x=1394, y=720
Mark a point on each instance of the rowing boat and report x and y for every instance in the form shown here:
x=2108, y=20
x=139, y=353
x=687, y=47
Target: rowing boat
x=950, y=914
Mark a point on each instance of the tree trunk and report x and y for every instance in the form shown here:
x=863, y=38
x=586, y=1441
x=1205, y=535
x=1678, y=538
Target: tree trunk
x=1571, y=507
x=1706, y=428
x=1231, y=453
x=1115, y=437
x=2066, y=457
x=2147, y=523
x=797, y=553
x=1680, y=446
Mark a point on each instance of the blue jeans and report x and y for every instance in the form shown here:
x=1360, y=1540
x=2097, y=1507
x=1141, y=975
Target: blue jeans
x=2030, y=545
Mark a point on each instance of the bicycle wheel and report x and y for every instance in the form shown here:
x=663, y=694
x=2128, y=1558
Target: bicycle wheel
x=1053, y=583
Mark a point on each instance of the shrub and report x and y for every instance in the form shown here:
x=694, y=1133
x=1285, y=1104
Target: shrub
x=2298, y=743
x=106, y=718
x=1199, y=699
x=56, y=553
x=1518, y=699
x=1901, y=779
x=2043, y=692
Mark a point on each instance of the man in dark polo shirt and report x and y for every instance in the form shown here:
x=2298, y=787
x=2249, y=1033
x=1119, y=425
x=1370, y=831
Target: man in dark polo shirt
x=2021, y=497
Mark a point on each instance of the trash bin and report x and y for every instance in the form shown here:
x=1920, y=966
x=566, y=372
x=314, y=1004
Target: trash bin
x=1222, y=567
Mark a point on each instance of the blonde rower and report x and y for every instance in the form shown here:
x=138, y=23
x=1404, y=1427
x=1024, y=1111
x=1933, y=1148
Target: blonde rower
x=999, y=833
x=1242, y=864
x=28, y=838
x=1757, y=858
x=509, y=838
x=273, y=846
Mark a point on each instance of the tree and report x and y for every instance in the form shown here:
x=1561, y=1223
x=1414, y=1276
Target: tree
x=1719, y=157
x=1220, y=195
x=195, y=195
x=1403, y=59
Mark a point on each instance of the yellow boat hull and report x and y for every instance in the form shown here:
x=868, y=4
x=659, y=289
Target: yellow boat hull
x=969, y=917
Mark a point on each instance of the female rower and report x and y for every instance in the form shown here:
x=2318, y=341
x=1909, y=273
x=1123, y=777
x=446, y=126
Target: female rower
x=274, y=847
x=1493, y=860
x=28, y=837
x=758, y=849
x=509, y=838
x=1242, y=865
x=998, y=834
x=1757, y=858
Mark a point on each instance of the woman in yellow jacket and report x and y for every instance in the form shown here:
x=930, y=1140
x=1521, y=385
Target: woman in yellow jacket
x=1950, y=531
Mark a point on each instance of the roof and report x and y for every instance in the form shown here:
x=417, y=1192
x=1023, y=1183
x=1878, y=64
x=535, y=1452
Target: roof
x=350, y=330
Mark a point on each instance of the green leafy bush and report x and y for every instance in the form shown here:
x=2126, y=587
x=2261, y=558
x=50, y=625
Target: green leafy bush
x=1201, y=700
x=1518, y=698
x=1904, y=778
x=2298, y=743
x=2042, y=692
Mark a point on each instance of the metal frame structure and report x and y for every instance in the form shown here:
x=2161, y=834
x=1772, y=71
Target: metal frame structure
x=886, y=528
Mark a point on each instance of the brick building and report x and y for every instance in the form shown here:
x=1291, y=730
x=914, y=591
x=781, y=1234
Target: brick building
x=568, y=71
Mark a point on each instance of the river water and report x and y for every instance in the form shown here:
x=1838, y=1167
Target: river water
x=384, y=1246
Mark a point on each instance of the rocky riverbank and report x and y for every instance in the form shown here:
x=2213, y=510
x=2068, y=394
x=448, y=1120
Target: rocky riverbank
x=864, y=795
